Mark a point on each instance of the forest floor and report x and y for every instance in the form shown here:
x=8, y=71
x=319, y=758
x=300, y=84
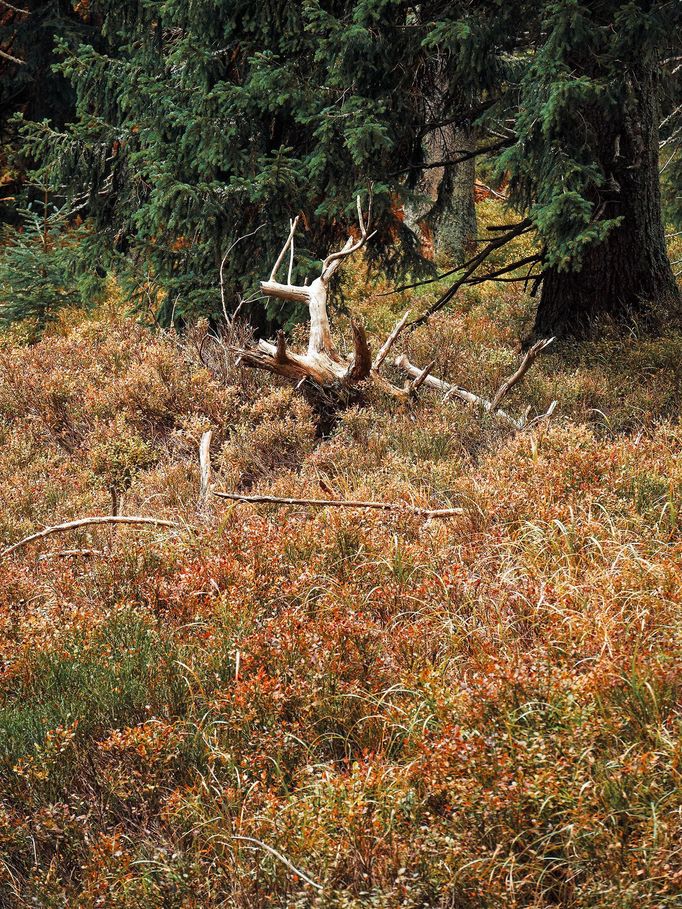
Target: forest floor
x=307, y=707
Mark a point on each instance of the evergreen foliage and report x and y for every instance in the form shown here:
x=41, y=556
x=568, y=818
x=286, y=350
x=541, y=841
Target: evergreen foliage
x=196, y=123
x=28, y=83
x=195, y=128
x=41, y=267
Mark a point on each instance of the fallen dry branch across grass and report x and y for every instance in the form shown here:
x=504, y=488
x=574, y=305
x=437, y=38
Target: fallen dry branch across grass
x=233, y=496
x=278, y=855
x=70, y=554
x=86, y=522
x=343, y=503
x=423, y=376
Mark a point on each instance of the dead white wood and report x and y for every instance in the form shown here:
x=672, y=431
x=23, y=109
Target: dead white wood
x=456, y=391
x=291, y=255
x=526, y=363
x=205, y=469
x=450, y=391
x=542, y=417
x=324, y=366
x=322, y=362
x=341, y=503
x=290, y=239
x=86, y=522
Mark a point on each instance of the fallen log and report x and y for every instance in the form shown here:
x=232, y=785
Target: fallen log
x=423, y=376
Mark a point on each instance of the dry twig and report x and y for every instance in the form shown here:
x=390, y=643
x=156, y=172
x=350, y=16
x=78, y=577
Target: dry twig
x=422, y=376
x=86, y=522
x=342, y=503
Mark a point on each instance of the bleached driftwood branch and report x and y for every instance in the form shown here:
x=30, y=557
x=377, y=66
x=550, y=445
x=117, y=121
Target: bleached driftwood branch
x=205, y=469
x=322, y=362
x=328, y=370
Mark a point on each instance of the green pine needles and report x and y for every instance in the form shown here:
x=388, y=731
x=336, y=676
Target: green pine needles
x=41, y=267
x=195, y=123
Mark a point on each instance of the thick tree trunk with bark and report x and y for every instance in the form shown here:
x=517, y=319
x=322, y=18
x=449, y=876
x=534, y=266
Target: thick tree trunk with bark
x=453, y=217
x=624, y=275
x=446, y=215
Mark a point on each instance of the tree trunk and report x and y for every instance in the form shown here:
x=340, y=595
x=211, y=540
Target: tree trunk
x=453, y=218
x=446, y=215
x=625, y=274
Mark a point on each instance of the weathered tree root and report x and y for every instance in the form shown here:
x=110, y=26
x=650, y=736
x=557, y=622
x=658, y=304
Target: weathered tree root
x=331, y=383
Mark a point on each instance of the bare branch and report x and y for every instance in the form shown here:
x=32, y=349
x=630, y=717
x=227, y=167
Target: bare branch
x=543, y=416
x=452, y=391
x=281, y=347
x=390, y=341
x=296, y=292
x=286, y=246
x=295, y=366
x=423, y=376
x=331, y=263
x=291, y=255
x=282, y=858
x=469, y=267
x=361, y=220
x=70, y=553
x=341, y=503
x=222, y=267
x=472, y=266
x=86, y=522
x=489, y=189
x=205, y=469
x=451, y=162
x=12, y=59
x=15, y=9
x=526, y=363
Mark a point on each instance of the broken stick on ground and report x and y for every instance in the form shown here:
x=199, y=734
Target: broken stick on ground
x=342, y=503
x=86, y=522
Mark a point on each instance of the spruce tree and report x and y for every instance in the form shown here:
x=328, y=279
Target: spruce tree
x=196, y=123
x=199, y=124
x=41, y=270
x=28, y=83
x=572, y=90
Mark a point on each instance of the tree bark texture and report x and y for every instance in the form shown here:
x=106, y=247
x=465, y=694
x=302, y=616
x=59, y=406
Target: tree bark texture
x=624, y=274
x=445, y=217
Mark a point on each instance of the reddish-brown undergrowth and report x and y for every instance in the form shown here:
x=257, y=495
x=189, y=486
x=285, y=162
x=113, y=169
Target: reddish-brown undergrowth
x=296, y=707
